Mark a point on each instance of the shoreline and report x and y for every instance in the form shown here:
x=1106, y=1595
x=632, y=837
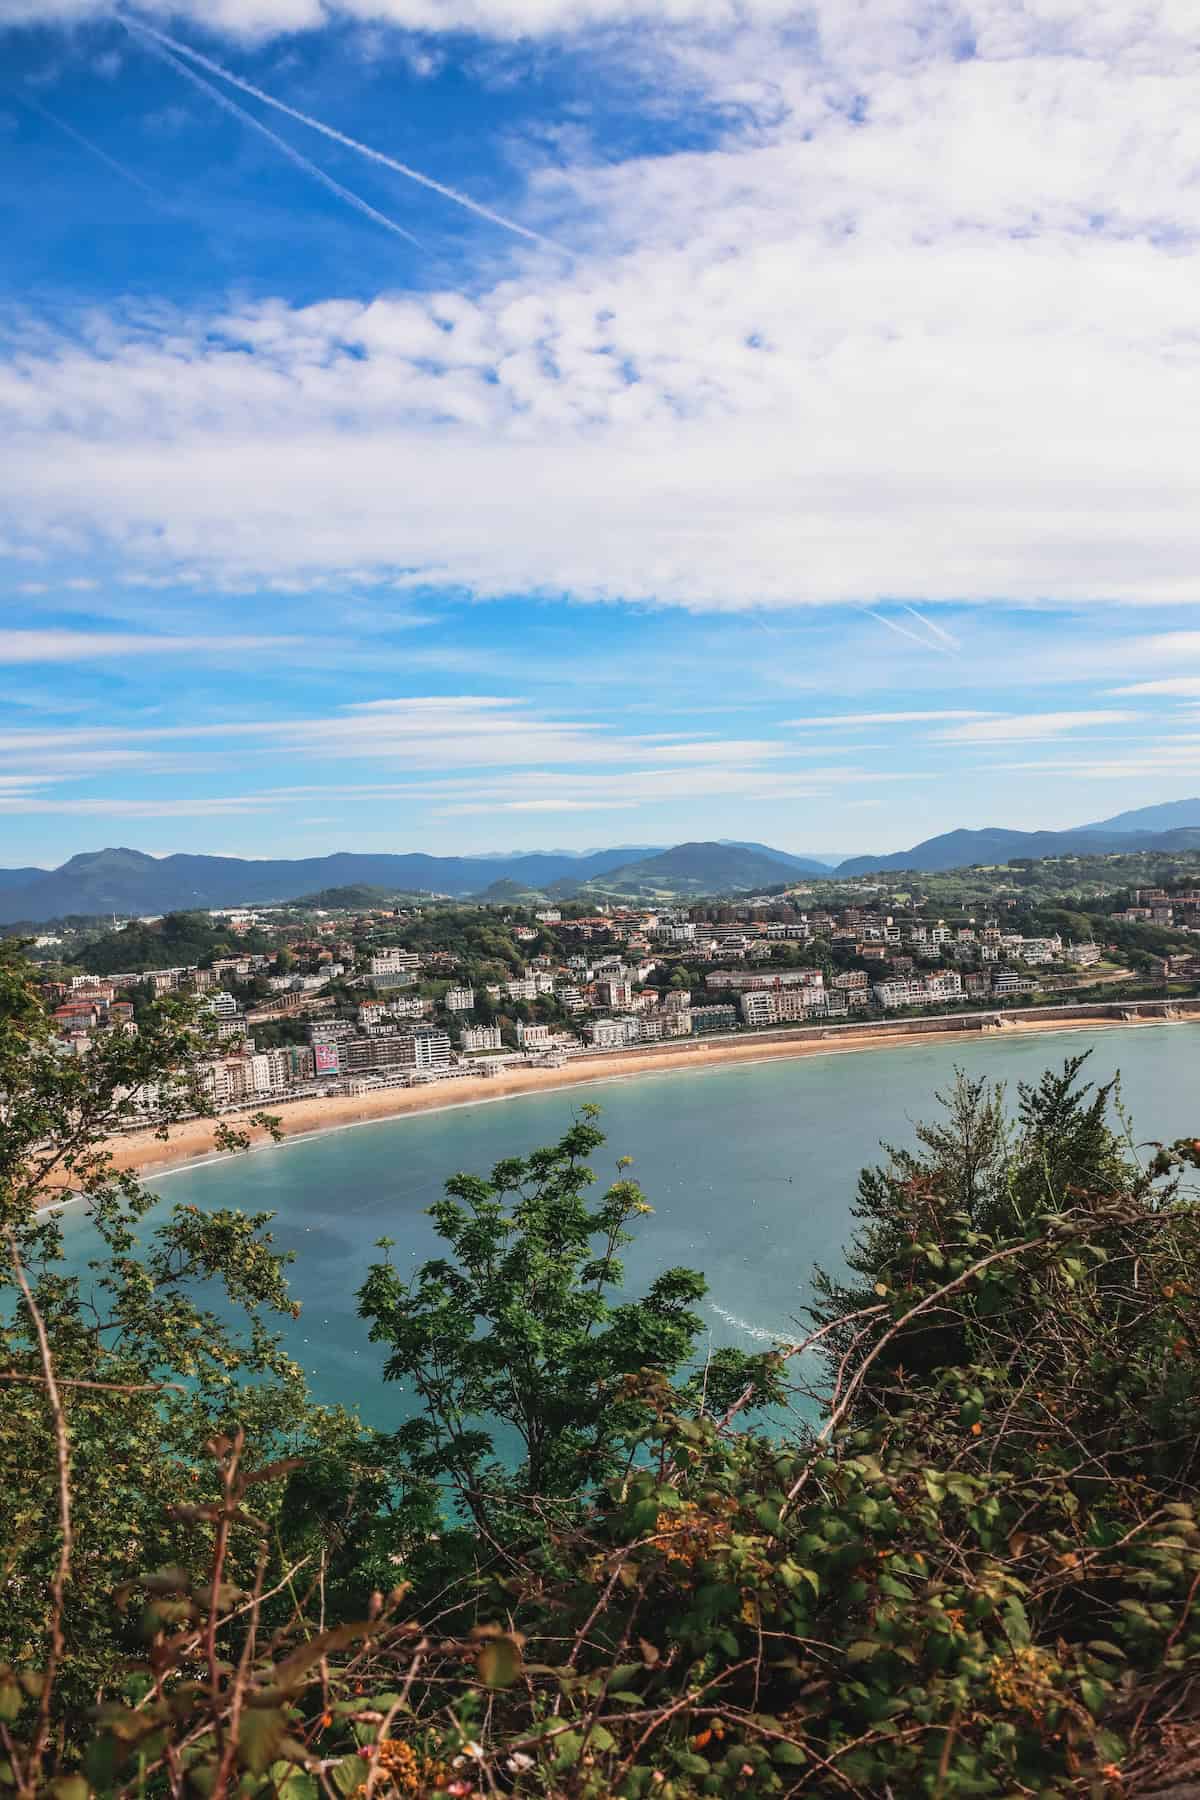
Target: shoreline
x=190, y=1145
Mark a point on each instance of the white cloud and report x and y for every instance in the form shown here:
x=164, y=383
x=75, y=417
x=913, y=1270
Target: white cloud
x=887, y=718
x=1030, y=727
x=918, y=324
x=96, y=646
x=1182, y=687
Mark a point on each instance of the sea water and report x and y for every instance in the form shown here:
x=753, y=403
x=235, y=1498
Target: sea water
x=750, y=1170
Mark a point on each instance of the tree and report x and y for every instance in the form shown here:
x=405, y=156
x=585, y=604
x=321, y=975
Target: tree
x=147, y=1364
x=516, y=1331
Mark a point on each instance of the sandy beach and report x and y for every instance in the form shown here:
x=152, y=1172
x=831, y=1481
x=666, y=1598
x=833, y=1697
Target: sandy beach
x=192, y=1141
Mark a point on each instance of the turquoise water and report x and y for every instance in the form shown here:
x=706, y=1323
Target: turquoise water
x=750, y=1170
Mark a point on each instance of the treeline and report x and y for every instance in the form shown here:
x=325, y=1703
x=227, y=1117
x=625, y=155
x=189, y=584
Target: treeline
x=177, y=938
x=945, y=1544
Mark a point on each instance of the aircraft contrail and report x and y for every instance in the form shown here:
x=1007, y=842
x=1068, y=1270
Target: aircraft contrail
x=901, y=630
x=289, y=150
x=937, y=630
x=92, y=149
x=340, y=137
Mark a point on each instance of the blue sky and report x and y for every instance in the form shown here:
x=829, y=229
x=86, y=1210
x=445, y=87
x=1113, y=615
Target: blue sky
x=775, y=422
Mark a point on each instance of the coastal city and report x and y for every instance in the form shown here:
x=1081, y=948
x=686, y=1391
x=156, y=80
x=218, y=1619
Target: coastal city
x=599, y=900
x=301, y=1001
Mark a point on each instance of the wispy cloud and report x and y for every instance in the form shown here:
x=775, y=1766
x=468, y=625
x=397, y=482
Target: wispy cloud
x=889, y=718
x=1179, y=687
x=1029, y=727
x=942, y=420
x=54, y=646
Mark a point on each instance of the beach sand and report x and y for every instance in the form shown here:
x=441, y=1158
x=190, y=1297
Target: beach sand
x=192, y=1141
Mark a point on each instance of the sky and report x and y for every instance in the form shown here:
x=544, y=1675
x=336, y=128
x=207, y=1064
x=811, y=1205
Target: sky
x=463, y=425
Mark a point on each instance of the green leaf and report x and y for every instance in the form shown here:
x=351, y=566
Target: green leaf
x=601, y=1738
x=690, y=1763
x=1016, y=1624
x=790, y=1755
x=350, y=1773
x=1095, y=1695
x=623, y=1674
x=568, y=1749
x=260, y=1733
x=11, y=1697
x=862, y=1650
x=69, y=1787
x=499, y=1662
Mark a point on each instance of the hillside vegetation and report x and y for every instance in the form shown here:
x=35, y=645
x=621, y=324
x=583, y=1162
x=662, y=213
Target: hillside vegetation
x=947, y=1544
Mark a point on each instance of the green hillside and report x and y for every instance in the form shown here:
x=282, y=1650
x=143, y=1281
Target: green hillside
x=688, y=871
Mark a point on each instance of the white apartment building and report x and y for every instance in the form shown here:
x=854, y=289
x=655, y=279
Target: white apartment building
x=395, y=962
x=533, y=1037
x=926, y=990
x=610, y=1034
x=481, y=1037
x=229, y=1079
x=1037, y=951
x=1007, y=981
x=782, y=1006
x=460, y=999
x=431, y=1048
x=1082, y=955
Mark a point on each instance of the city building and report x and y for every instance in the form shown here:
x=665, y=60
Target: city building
x=713, y=1018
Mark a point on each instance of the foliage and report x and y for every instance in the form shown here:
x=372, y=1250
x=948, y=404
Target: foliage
x=516, y=1330
x=966, y=1564
x=171, y=942
x=165, y=1340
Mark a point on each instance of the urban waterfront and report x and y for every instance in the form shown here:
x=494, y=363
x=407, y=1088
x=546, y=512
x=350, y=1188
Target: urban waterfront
x=750, y=1171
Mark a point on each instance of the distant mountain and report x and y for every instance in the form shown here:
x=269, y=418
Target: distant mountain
x=1172, y=815
x=15, y=878
x=963, y=849
x=807, y=861
x=127, y=881
x=694, y=869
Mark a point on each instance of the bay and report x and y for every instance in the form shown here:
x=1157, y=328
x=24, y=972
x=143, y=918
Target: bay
x=750, y=1170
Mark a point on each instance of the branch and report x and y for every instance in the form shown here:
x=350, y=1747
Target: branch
x=62, y=1570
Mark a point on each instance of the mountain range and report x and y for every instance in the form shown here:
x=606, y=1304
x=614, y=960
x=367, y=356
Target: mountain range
x=128, y=882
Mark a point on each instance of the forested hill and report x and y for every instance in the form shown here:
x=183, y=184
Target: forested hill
x=695, y=869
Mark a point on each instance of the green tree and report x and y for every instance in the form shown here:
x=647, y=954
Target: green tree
x=514, y=1342
x=166, y=1340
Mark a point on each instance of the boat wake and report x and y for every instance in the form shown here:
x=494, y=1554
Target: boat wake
x=758, y=1333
